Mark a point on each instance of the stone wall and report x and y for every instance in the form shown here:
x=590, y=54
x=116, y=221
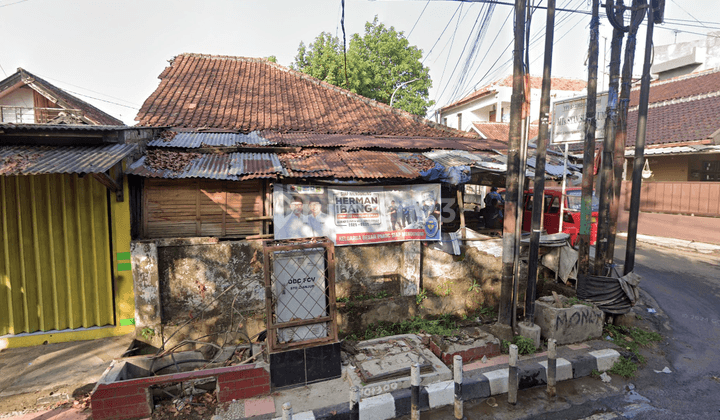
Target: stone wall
x=178, y=282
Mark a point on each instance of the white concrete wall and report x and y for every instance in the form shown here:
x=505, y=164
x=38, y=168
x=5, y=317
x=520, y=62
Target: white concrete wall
x=479, y=109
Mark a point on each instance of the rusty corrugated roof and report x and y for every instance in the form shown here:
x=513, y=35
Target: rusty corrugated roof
x=230, y=166
x=36, y=160
x=346, y=164
x=194, y=140
x=355, y=141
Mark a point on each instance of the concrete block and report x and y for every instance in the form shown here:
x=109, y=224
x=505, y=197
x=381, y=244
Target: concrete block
x=568, y=325
x=531, y=374
x=583, y=365
x=441, y=393
x=305, y=415
x=498, y=380
x=475, y=388
x=530, y=331
x=605, y=358
x=563, y=369
x=381, y=407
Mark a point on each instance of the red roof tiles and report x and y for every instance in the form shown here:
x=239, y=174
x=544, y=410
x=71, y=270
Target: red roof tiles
x=247, y=94
x=680, y=87
x=681, y=110
x=500, y=132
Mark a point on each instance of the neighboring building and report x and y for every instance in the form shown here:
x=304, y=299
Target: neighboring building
x=682, y=177
x=64, y=216
x=28, y=99
x=686, y=57
x=492, y=102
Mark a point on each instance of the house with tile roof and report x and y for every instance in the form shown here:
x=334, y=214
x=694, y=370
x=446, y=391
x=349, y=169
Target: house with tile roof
x=681, y=183
x=28, y=99
x=491, y=104
x=236, y=132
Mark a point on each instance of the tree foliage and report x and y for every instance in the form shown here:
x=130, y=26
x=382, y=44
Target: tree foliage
x=378, y=63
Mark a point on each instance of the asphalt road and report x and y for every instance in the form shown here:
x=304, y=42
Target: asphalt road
x=684, y=290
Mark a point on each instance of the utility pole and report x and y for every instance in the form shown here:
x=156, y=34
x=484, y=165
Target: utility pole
x=606, y=182
x=513, y=170
x=621, y=128
x=539, y=185
x=639, y=160
x=589, y=152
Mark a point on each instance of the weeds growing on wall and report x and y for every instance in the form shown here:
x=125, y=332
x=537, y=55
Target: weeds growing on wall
x=444, y=325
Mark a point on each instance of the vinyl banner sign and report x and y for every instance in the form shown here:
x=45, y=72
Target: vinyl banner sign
x=357, y=215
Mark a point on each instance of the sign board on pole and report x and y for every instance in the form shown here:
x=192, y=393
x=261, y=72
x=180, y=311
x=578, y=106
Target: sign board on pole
x=568, y=124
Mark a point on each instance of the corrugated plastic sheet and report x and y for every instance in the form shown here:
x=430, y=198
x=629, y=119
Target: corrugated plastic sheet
x=554, y=166
x=450, y=158
x=305, y=139
x=194, y=140
x=231, y=166
x=36, y=160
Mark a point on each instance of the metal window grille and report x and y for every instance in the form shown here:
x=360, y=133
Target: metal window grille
x=300, y=293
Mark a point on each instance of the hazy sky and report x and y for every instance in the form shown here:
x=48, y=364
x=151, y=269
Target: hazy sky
x=110, y=52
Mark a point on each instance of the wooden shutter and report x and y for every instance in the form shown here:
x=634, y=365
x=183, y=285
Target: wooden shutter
x=182, y=208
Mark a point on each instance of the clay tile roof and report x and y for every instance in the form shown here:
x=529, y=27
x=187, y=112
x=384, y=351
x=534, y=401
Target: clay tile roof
x=557, y=83
x=678, y=123
x=682, y=109
x=249, y=94
x=695, y=84
x=500, y=132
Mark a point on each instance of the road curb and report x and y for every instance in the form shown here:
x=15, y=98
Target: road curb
x=476, y=385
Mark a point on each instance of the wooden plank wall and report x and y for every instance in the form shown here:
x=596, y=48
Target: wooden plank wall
x=200, y=207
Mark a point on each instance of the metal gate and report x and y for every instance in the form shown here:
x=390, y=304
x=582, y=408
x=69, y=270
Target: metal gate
x=55, y=263
x=300, y=293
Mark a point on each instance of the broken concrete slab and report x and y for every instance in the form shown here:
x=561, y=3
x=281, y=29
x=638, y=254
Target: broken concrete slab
x=383, y=365
x=472, y=344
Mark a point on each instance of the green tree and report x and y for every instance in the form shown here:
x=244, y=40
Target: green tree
x=378, y=63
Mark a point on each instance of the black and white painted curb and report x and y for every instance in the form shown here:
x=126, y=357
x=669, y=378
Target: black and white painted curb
x=474, y=386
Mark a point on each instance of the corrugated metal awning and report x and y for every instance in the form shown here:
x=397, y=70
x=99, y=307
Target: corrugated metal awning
x=230, y=166
x=36, y=160
x=194, y=140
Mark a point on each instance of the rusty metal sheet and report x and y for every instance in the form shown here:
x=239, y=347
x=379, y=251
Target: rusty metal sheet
x=36, y=160
x=371, y=164
x=231, y=166
x=305, y=139
x=194, y=140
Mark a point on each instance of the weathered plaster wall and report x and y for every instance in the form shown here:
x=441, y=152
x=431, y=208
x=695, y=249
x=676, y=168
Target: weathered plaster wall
x=460, y=284
x=177, y=281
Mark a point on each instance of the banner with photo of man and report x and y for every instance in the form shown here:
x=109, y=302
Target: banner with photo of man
x=357, y=215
